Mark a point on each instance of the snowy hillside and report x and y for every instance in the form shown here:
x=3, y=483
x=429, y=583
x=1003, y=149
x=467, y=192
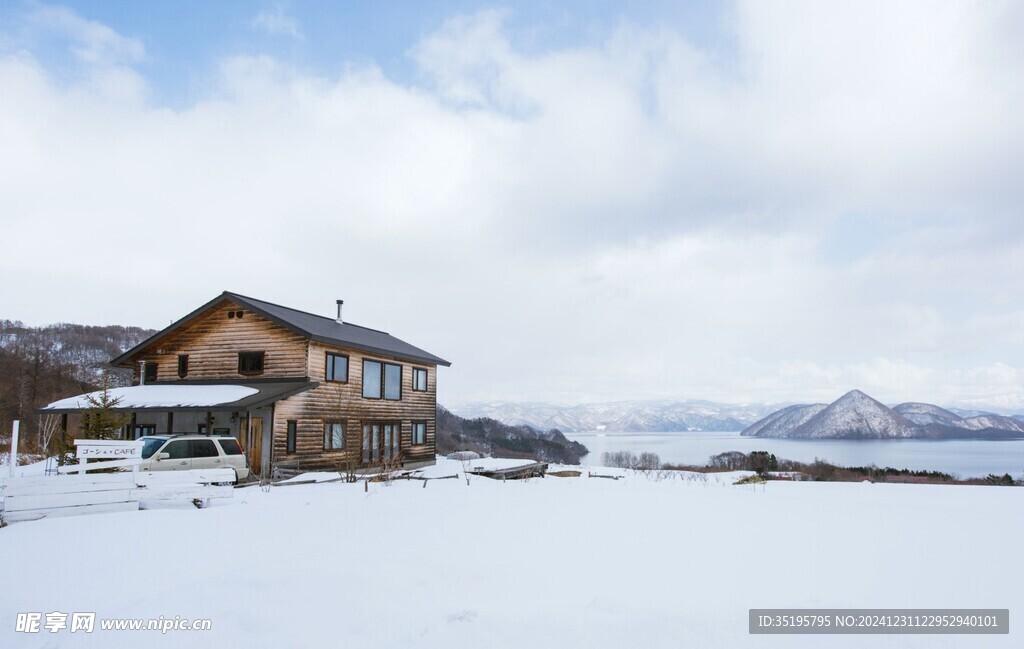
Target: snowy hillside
x=981, y=422
x=491, y=437
x=645, y=561
x=779, y=424
x=926, y=413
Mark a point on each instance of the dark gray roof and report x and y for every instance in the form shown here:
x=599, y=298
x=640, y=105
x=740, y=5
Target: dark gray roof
x=316, y=327
x=328, y=330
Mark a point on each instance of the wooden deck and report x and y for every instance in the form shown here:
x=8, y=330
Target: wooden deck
x=532, y=470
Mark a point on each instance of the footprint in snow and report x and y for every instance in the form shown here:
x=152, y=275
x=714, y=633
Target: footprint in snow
x=462, y=616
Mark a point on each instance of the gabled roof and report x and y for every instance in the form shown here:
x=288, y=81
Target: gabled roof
x=310, y=325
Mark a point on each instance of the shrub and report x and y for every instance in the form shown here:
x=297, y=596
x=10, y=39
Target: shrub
x=646, y=461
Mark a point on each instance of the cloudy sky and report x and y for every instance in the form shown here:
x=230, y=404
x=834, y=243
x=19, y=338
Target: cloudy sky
x=572, y=201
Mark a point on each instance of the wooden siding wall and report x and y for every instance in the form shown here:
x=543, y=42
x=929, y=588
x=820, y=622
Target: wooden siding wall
x=333, y=401
x=212, y=342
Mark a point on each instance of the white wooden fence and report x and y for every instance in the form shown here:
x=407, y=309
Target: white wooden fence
x=38, y=497
x=32, y=498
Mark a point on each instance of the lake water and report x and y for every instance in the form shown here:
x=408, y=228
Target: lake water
x=964, y=458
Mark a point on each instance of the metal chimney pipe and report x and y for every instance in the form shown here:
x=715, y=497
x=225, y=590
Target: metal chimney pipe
x=339, y=320
x=142, y=372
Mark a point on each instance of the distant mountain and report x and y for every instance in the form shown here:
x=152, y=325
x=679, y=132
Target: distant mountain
x=967, y=412
x=855, y=415
x=625, y=416
x=926, y=413
x=489, y=436
x=779, y=424
x=981, y=422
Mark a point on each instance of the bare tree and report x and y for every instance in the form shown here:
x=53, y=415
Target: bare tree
x=49, y=426
x=349, y=466
x=390, y=466
x=728, y=461
x=648, y=461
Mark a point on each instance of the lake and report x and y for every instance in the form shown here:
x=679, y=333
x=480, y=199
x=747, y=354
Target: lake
x=964, y=458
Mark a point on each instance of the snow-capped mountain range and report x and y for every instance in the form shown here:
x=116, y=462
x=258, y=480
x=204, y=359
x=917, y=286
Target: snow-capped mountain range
x=855, y=415
x=625, y=416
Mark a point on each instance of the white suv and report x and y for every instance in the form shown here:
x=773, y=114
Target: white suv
x=185, y=452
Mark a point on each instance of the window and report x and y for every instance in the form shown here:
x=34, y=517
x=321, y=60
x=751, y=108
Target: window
x=419, y=432
x=334, y=436
x=177, y=450
x=250, y=362
x=382, y=380
x=182, y=365
x=150, y=372
x=337, y=368
x=230, y=446
x=371, y=379
x=381, y=441
x=290, y=439
x=144, y=429
x=203, y=448
x=150, y=446
x=392, y=382
x=419, y=379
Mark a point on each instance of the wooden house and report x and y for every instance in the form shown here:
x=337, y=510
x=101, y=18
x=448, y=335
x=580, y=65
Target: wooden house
x=297, y=389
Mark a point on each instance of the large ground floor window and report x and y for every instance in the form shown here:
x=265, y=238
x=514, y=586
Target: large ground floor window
x=381, y=441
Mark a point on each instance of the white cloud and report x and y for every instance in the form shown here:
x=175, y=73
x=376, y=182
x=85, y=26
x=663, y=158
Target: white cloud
x=624, y=219
x=91, y=41
x=276, y=22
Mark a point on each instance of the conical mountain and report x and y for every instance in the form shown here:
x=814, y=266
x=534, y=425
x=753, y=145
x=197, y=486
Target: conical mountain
x=855, y=415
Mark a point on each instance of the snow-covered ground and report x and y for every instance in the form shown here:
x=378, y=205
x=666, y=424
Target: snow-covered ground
x=24, y=470
x=564, y=562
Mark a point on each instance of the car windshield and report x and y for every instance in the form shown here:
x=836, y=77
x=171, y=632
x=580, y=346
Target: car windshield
x=150, y=446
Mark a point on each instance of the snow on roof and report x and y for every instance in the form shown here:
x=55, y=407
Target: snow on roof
x=161, y=396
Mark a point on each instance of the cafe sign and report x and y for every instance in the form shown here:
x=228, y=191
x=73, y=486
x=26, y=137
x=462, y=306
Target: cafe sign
x=108, y=449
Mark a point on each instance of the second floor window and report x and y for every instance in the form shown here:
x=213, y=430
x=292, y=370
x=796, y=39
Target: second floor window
x=250, y=362
x=382, y=380
x=182, y=365
x=337, y=368
x=419, y=379
x=150, y=372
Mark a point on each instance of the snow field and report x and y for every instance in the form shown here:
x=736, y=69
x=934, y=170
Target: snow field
x=640, y=561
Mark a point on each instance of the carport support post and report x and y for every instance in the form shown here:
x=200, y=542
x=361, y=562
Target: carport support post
x=14, y=448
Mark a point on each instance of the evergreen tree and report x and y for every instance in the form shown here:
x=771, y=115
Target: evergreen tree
x=100, y=420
